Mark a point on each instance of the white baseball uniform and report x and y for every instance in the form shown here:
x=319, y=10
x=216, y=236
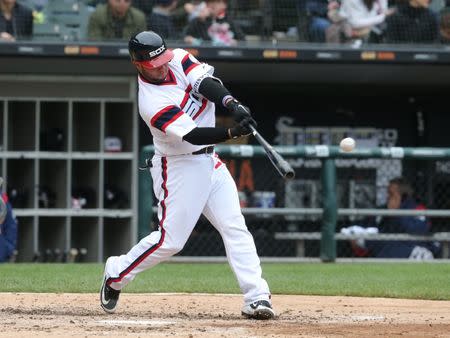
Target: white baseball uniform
x=188, y=185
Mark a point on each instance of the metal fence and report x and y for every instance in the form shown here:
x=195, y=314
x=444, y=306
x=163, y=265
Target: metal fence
x=332, y=191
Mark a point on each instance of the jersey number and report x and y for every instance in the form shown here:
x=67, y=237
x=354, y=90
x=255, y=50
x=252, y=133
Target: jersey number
x=193, y=105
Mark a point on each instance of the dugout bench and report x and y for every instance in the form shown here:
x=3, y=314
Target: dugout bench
x=301, y=237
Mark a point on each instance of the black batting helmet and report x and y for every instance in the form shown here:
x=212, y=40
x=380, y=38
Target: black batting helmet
x=149, y=49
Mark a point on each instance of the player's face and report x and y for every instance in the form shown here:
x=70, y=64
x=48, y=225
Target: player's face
x=155, y=75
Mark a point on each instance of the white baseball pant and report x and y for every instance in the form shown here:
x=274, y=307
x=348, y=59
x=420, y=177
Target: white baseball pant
x=187, y=186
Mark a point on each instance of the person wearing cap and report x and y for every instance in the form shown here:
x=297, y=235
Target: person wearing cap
x=177, y=99
x=8, y=228
x=115, y=20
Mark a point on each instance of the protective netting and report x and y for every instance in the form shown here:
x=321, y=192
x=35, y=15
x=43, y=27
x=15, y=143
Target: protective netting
x=228, y=23
x=361, y=184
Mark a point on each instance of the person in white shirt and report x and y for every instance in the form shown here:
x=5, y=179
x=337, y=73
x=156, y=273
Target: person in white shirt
x=362, y=16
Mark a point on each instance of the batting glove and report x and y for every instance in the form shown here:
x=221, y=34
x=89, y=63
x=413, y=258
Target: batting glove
x=240, y=112
x=241, y=129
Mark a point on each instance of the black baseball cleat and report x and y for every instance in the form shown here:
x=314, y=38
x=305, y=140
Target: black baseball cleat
x=260, y=309
x=108, y=297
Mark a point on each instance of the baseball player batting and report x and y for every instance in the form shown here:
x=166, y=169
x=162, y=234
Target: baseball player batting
x=177, y=98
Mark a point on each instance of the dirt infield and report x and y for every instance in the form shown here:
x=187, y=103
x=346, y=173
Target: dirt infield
x=200, y=315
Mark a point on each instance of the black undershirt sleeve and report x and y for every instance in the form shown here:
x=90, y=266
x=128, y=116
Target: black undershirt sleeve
x=207, y=135
x=213, y=90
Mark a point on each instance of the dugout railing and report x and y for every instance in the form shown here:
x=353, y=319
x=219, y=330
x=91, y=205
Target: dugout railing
x=327, y=215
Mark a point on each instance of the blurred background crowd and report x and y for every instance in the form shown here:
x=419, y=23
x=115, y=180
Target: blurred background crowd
x=229, y=23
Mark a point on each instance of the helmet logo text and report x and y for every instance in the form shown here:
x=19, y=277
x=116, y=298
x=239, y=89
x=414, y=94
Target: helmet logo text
x=157, y=51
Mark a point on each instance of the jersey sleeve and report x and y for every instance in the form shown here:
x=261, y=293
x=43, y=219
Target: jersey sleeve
x=195, y=71
x=173, y=122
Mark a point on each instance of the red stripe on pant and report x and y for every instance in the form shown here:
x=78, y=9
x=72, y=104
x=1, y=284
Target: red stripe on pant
x=153, y=248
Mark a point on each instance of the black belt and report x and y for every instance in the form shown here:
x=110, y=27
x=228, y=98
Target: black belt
x=206, y=150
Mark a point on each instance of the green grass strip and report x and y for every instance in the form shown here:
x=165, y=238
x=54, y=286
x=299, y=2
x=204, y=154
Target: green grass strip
x=396, y=280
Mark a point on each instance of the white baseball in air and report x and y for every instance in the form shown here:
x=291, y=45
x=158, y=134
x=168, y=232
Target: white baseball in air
x=347, y=144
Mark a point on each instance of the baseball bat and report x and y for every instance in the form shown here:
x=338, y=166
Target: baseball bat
x=284, y=168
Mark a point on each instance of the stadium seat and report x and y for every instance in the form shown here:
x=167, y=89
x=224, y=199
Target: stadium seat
x=67, y=18
x=46, y=31
x=253, y=16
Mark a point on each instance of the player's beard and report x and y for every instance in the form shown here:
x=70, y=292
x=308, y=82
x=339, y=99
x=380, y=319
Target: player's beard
x=154, y=80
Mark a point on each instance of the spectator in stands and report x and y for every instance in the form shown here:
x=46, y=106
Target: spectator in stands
x=145, y=6
x=400, y=196
x=116, y=20
x=8, y=229
x=444, y=26
x=16, y=21
x=313, y=19
x=161, y=21
x=196, y=9
x=413, y=22
x=216, y=27
x=357, y=20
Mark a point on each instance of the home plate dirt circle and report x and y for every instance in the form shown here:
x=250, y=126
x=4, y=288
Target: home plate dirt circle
x=212, y=315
